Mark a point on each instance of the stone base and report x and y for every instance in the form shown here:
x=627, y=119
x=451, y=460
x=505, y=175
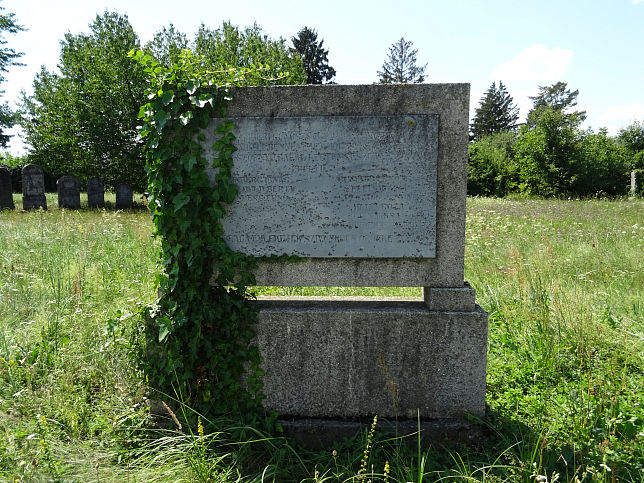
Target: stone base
x=319, y=434
x=33, y=202
x=352, y=359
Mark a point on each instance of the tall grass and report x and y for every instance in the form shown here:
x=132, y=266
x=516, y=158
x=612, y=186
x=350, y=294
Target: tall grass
x=563, y=282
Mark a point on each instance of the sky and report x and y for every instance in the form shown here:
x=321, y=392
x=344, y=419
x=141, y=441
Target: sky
x=596, y=46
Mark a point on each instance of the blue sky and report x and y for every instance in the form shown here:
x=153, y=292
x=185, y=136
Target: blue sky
x=596, y=46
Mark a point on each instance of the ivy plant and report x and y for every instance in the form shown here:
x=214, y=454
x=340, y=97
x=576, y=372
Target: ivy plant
x=198, y=335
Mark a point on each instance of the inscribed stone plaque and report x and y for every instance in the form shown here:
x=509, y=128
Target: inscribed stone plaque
x=335, y=186
x=95, y=193
x=33, y=188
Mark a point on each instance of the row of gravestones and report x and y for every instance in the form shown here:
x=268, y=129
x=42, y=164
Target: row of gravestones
x=33, y=191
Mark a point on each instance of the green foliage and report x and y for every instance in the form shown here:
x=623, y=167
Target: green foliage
x=491, y=170
x=84, y=121
x=557, y=97
x=604, y=166
x=496, y=113
x=8, y=58
x=267, y=61
x=548, y=154
x=400, y=66
x=198, y=337
x=631, y=138
x=166, y=45
x=314, y=57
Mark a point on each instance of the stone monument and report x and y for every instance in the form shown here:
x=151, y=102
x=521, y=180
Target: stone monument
x=33, y=188
x=68, y=192
x=124, y=197
x=6, y=191
x=95, y=193
x=636, y=183
x=368, y=185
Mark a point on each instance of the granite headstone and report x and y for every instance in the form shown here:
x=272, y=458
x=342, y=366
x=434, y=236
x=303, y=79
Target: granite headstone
x=33, y=188
x=124, y=197
x=95, y=193
x=6, y=191
x=68, y=192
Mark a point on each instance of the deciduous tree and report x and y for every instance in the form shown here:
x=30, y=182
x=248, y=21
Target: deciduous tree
x=84, y=120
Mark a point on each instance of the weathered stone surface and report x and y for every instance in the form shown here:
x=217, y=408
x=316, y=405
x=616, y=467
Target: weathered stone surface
x=352, y=359
x=453, y=299
x=95, y=193
x=335, y=186
x=124, y=197
x=6, y=191
x=33, y=188
x=68, y=192
x=450, y=104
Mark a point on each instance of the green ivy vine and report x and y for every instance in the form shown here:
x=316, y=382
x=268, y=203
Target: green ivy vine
x=198, y=336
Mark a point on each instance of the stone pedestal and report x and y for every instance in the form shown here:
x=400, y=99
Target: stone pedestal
x=354, y=358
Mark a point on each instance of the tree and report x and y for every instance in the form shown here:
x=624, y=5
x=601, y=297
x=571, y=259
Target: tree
x=491, y=170
x=632, y=139
x=84, y=120
x=166, y=45
x=8, y=58
x=548, y=154
x=558, y=97
x=229, y=46
x=496, y=113
x=400, y=66
x=313, y=55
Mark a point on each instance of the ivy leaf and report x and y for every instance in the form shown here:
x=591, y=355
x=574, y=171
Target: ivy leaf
x=167, y=97
x=165, y=328
x=191, y=86
x=160, y=119
x=186, y=117
x=204, y=99
x=180, y=201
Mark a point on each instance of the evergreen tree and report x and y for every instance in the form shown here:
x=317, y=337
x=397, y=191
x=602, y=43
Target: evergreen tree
x=314, y=57
x=400, y=66
x=7, y=58
x=496, y=113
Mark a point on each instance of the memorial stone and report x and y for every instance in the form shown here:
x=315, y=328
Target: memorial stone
x=68, y=192
x=95, y=193
x=6, y=191
x=124, y=197
x=368, y=185
x=33, y=188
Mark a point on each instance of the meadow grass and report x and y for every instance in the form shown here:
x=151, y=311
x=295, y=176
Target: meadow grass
x=562, y=280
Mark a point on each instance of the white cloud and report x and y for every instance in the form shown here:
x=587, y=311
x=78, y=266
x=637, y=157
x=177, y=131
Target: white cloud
x=536, y=63
x=637, y=1
x=617, y=117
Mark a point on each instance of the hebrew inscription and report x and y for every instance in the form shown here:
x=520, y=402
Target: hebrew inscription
x=335, y=186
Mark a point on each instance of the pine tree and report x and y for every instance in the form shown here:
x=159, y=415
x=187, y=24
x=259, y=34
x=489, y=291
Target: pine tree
x=556, y=97
x=496, y=113
x=314, y=57
x=400, y=66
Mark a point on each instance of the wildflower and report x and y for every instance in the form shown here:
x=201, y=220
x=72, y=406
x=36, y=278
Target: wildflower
x=606, y=467
x=80, y=227
x=541, y=479
x=200, y=428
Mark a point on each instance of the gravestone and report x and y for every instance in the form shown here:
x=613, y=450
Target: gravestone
x=6, y=191
x=95, y=193
x=33, y=188
x=124, y=197
x=68, y=192
x=368, y=185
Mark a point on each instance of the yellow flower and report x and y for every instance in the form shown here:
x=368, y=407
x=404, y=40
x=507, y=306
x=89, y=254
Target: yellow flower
x=200, y=428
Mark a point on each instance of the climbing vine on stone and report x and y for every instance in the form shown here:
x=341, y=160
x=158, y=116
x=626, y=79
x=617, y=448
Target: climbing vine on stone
x=198, y=336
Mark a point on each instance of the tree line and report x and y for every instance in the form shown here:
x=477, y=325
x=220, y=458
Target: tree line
x=549, y=154
x=84, y=118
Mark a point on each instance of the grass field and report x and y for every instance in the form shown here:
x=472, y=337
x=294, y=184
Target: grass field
x=563, y=282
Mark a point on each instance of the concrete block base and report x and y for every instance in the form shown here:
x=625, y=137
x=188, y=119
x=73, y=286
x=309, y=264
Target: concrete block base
x=348, y=360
